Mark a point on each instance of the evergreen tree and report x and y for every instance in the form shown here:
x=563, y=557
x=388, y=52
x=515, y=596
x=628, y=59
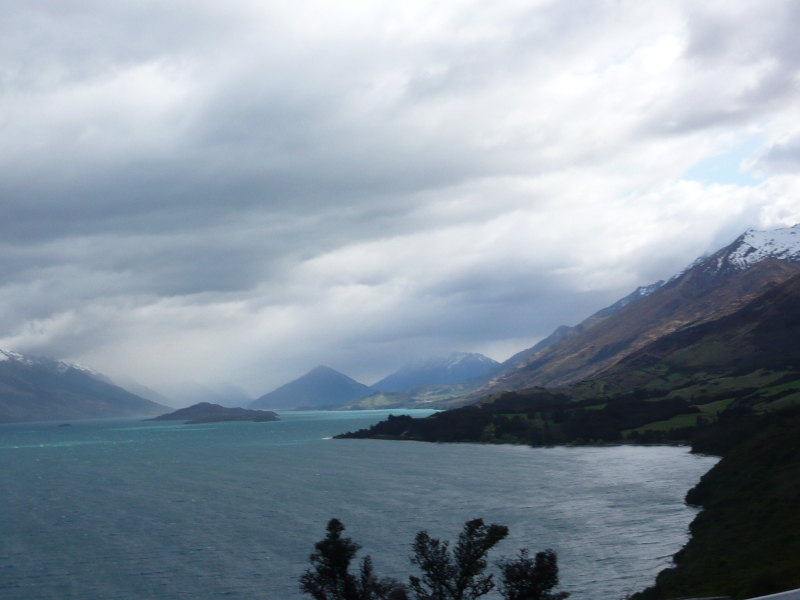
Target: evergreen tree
x=330, y=577
x=460, y=575
x=530, y=579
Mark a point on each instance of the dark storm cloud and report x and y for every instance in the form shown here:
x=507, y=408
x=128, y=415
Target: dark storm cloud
x=243, y=190
x=783, y=157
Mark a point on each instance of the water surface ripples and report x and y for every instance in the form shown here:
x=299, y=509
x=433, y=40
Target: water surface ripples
x=129, y=510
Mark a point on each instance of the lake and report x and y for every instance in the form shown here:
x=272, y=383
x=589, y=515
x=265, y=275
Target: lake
x=129, y=510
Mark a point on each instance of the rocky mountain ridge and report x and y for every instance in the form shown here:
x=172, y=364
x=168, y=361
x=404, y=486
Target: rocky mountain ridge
x=707, y=289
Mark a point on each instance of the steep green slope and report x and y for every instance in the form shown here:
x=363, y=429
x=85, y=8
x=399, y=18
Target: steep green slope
x=746, y=541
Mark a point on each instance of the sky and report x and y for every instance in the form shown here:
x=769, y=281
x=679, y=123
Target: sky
x=239, y=191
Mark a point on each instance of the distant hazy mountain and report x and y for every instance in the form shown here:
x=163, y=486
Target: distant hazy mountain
x=134, y=387
x=43, y=389
x=455, y=368
x=320, y=387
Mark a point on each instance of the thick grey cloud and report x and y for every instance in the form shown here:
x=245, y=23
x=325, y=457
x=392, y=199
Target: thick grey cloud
x=783, y=156
x=239, y=191
x=744, y=59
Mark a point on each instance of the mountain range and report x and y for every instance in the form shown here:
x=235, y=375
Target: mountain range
x=327, y=388
x=748, y=357
x=707, y=289
x=43, y=389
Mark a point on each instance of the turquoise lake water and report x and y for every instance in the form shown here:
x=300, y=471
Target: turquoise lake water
x=133, y=510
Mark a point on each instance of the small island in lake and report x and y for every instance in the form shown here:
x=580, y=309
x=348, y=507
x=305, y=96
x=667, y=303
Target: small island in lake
x=205, y=412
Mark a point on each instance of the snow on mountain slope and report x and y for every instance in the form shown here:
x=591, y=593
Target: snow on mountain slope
x=51, y=364
x=11, y=355
x=36, y=388
x=754, y=246
x=746, y=251
x=457, y=359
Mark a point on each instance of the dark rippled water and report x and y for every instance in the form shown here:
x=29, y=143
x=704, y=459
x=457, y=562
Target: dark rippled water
x=131, y=510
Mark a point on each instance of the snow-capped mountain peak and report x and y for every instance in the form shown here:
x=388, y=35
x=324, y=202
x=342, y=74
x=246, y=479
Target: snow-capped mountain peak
x=749, y=249
x=754, y=246
x=38, y=388
x=11, y=355
x=457, y=358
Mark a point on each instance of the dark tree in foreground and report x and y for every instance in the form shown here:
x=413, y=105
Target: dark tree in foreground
x=525, y=578
x=460, y=576
x=330, y=577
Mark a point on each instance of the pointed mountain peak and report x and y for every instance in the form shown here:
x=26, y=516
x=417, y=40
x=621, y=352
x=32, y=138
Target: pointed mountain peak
x=459, y=357
x=320, y=387
x=750, y=248
x=323, y=370
x=754, y=246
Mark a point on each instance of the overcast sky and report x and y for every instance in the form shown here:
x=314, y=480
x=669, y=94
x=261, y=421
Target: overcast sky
x=242, y=190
